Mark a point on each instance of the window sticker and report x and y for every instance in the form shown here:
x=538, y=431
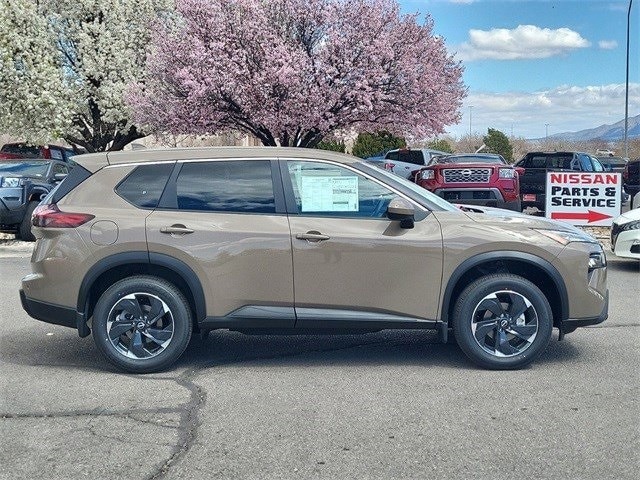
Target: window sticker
x=329, y=194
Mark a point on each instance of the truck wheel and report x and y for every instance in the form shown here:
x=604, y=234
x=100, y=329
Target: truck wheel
x=142, y=324
x=24, y=231
x=502, y=321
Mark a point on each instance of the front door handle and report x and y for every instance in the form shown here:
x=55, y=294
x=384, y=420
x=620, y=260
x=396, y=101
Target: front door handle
x=176, y=229
x=312, y=236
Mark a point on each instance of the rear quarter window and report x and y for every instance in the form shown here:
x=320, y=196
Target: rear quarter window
x=143, y=187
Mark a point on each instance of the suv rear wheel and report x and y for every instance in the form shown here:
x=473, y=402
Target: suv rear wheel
x=142, y=324
x=502, y=321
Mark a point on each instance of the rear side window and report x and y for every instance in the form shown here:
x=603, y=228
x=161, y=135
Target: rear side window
x=226, y=186
x=144, y=186
x=411, y=156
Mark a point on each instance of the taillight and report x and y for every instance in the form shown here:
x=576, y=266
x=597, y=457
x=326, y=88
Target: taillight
x=50, y=216
x=389, y=166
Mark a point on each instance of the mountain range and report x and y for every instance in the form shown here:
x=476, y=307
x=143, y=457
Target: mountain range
x=609, y=133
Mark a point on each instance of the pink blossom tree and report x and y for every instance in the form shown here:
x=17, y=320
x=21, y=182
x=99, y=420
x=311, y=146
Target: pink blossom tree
x=292, y=71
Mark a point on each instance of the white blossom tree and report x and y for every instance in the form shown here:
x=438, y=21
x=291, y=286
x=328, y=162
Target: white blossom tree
x=64, y=65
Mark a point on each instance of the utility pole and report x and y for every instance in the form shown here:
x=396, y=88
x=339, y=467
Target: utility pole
x=546, y=131
x=470, y=116
x=626, y=95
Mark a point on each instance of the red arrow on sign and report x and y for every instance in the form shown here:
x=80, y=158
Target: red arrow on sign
x=590, y=217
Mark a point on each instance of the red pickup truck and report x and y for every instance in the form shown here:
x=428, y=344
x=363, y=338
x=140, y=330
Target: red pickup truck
x=474, y=179
x=22, y=150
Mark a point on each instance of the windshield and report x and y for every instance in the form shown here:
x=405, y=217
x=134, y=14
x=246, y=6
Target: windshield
x=470, y=159
x=424, y=195
x=24, y=169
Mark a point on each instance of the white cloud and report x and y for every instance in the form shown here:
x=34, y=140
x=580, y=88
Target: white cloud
x=607, y=44
x=524, y=41
x=565, y=108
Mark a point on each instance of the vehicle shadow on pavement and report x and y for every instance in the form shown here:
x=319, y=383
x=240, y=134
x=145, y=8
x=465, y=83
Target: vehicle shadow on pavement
x=63, y=349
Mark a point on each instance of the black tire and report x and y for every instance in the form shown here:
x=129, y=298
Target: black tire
x=502, y=321
x=142, y=324
x=24, y=232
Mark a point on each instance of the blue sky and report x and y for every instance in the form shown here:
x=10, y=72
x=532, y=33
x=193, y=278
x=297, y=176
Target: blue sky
x=533, y=63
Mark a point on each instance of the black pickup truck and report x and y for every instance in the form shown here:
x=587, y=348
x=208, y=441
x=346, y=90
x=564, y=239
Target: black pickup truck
x=533, y=168
x=23, y=183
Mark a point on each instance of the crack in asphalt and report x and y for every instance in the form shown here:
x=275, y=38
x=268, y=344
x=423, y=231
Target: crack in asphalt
x=94, y=413
x=189, y=419
x=189, y=422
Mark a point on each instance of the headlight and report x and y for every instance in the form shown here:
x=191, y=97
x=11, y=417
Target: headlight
x=427, y=175
x=564, y=236
x=597, y=260
x=630, y=226
x=507, y=173
x=11, y=182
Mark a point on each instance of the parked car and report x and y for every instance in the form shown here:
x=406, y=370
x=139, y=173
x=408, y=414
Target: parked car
x=145, y=247
x=533, y=168
x=472, y=178
x=405, y=162
x=625, y=234
x=22, y=150
x=631, y=177
x=23, y=183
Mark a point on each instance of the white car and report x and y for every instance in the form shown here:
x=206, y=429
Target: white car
x=625, y=234
x=405, y=161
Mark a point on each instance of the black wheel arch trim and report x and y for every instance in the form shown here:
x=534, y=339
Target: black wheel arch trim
x=150, y=258
x=529, y=258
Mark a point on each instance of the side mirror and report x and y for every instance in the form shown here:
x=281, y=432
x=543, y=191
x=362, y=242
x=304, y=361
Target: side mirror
x=401, y=209
x=58, y=177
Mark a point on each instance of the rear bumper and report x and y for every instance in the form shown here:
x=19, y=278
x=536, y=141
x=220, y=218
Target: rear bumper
x=47, y=312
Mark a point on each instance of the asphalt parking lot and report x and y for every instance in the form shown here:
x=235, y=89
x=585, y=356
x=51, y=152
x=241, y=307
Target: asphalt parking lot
x=385, y=405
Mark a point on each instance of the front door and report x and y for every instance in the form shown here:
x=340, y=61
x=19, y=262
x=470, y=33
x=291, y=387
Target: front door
x=352, y=265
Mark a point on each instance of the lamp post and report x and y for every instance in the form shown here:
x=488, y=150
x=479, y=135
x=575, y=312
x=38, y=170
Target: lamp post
x=626, y=95
x=470, y=116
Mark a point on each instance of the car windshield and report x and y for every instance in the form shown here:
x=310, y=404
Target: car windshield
x=24, y=169
x=470, y=159
x=425, y=195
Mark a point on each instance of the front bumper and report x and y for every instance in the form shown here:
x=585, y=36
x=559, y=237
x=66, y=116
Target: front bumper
x=570, y=324
x=11, y=214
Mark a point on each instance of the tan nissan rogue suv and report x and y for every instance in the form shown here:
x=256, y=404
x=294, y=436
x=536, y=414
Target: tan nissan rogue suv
x=146, y=247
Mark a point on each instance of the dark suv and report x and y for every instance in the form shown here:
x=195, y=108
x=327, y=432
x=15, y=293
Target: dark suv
x=631, y=177
x=23, y=183
x=533, y=170
x=143, y=248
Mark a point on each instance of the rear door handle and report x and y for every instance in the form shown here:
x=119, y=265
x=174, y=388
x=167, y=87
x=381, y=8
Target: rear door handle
x=176, y=229
x=312, y=236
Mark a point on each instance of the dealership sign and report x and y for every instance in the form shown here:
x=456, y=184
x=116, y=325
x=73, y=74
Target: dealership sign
x=587, y=198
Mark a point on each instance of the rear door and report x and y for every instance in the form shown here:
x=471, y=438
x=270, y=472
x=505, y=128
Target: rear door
x=353, y=266
x=226, y=220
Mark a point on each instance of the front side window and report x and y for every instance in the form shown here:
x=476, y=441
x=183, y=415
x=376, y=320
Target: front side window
x=323, y=189
x=226, y=186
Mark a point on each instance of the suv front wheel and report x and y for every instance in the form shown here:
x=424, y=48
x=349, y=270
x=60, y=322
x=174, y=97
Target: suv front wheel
x=142, y=324
x=502, y=321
